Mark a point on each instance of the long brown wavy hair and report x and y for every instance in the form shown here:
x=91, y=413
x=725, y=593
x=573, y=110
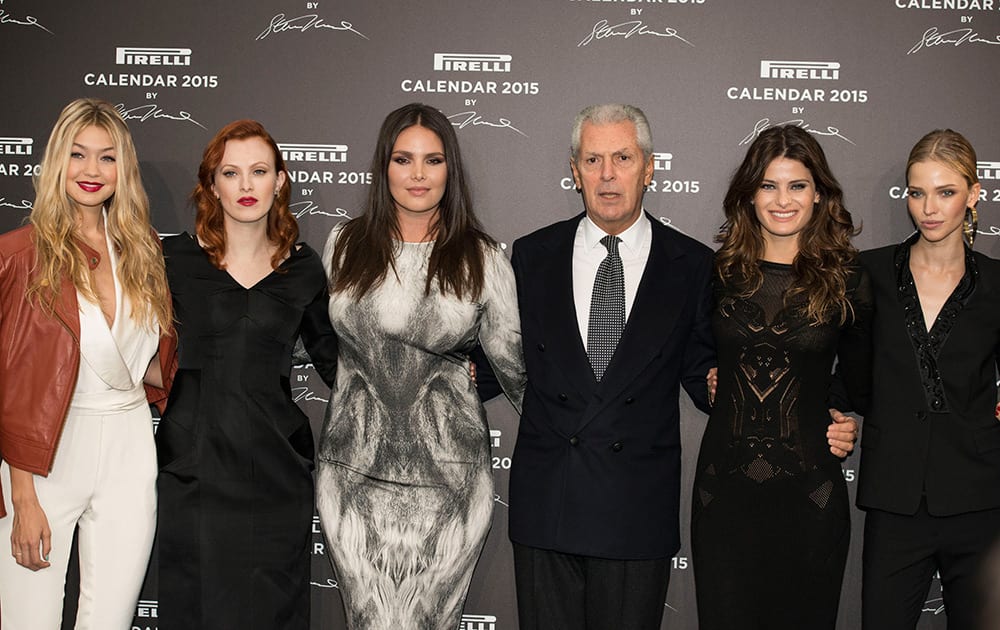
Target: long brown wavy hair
x=365, y=249
x=825, y=250
x=282, y=229
x=55, y=216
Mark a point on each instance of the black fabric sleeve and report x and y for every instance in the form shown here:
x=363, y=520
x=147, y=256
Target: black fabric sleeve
x=850, y=388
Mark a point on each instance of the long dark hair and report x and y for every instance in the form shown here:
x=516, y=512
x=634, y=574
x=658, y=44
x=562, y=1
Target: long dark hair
x=366, y=246
x=825, y=250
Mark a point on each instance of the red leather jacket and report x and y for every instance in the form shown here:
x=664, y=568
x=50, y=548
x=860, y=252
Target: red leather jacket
x=40, y=360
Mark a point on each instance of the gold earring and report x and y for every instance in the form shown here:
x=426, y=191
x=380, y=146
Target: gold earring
x=970, y=225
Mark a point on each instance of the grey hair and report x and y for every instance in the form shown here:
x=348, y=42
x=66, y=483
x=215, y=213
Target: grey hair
x=610, y=113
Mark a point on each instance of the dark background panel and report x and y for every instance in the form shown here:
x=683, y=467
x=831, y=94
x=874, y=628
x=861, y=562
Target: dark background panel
x=326, y=73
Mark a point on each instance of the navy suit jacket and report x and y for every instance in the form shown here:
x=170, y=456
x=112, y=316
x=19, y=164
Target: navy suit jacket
x=596, y=468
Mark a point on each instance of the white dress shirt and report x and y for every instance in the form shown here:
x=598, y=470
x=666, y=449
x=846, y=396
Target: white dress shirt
x=588, y=254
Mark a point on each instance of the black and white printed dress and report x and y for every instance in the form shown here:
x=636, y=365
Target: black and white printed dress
x=405, y=487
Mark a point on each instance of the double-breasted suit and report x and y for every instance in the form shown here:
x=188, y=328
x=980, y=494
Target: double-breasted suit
x=596, y=468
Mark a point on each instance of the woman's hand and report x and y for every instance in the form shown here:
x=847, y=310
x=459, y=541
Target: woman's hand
x=30, y=536
x=842, y=433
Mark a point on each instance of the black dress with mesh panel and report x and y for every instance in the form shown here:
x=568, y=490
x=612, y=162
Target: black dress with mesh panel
x=770, y=513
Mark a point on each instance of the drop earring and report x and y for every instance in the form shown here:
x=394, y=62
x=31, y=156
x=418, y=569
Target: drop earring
x=970, y=225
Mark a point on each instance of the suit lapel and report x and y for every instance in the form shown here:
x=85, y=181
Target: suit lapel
x=561, y=329
x=658, y=304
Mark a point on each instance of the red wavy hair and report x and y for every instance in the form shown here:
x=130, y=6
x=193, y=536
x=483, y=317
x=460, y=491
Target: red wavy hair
x=282, y=229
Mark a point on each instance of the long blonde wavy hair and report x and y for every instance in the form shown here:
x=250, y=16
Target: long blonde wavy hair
x=55, y=218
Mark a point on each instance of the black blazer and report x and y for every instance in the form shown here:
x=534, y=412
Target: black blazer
x=907, y=448
x=596, y=468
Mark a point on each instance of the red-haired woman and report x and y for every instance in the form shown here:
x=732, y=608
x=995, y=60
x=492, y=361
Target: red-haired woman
x=235, y=452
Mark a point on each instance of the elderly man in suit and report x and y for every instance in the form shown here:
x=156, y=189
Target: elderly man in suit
x=615, y=319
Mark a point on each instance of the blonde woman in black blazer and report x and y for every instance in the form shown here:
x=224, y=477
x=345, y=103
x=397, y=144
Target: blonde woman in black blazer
x=930, y=457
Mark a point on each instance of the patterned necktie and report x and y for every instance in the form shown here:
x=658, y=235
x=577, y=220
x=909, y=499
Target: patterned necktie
x=607, y=309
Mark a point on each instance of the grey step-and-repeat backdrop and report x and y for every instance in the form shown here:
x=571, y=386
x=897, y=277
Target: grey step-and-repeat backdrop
x=868, y=77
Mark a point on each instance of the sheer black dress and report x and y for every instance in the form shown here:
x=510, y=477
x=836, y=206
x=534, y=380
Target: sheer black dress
x=770, y=512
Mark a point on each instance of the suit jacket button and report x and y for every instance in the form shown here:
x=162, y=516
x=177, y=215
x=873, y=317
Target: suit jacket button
x=574, y=441
x=629, y=400
x=617, y=447
x=541, y=347
x=921, y=415
x=563, y=397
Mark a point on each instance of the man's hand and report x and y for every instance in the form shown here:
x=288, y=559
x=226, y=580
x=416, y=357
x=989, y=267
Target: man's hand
x=712, y=381
x=842, y=433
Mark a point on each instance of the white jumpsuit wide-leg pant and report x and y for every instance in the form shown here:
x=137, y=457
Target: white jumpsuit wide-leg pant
x=104, y=480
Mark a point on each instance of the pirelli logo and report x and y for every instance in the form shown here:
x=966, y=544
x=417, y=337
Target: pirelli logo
x=661, y=161
x=472, y=62
x=313, y=152
x=478, y=622
x=132, y=56
x=829, y=70
x=16, y=146
x=147, y=609
x=988, y=170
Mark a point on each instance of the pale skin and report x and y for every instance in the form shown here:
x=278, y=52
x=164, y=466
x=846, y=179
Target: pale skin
x=91, y=176
x=417, y=175
x=784, y=206
x=937, y=199
x=246, y=183
x=611, y=172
